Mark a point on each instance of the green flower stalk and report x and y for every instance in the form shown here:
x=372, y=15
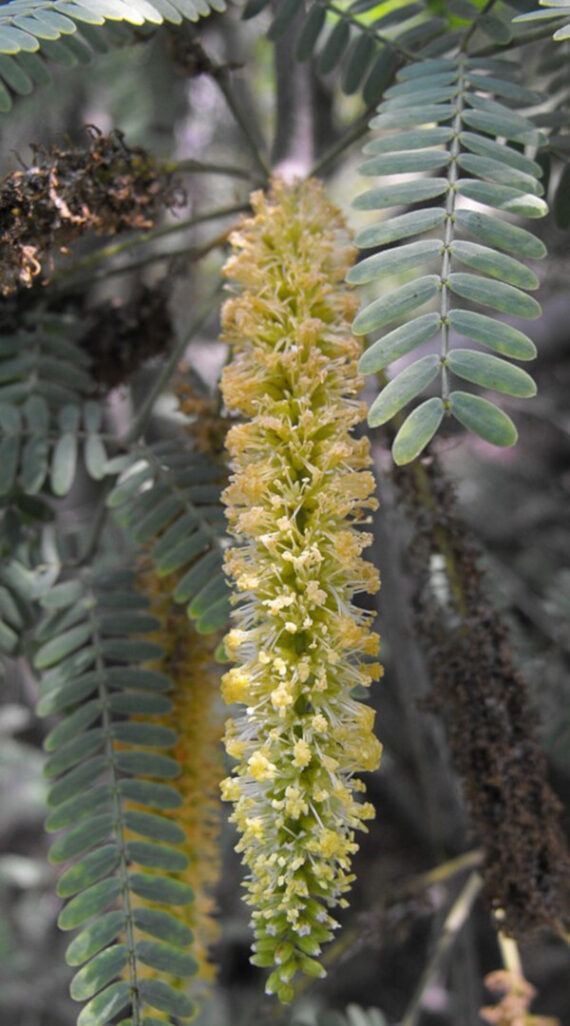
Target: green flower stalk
x=299, y=490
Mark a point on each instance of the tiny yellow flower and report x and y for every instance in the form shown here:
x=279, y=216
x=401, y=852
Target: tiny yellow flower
x=260, y=767
x=301, y=753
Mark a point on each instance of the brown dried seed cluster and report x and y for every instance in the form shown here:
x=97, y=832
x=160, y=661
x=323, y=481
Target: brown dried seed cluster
x=106, y=187
x=485, y=703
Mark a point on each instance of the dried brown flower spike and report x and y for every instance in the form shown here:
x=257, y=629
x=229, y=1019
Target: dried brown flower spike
x=106, y=187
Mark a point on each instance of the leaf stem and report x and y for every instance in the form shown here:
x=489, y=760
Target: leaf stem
x=119, y=824
x=448, y=239
x=352, y=134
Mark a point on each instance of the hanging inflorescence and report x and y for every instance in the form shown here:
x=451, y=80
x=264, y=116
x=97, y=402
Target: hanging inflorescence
x=300, y=489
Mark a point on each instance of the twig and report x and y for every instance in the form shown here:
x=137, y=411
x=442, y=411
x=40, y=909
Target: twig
x=144, y=412
x=192, y=254
x=475, y=24
x=355, y=132
x=222, y=77
x=509, y=953
x=369, y=30
x=454, y=921
x=113, y=249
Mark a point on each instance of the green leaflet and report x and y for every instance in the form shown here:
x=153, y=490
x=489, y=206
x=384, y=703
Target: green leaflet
x=209, y=596
x=358, y=61
x=503, y=197
x=147, y=764
x=79, y=721
x=160, y=889
x=496, y=335
x=146, y=792
x=74, y=782
x=94, y=937
x=404, y=387
x=166, y=957
x=150, y=735
x=155, y=827
x=510, y=157
x=125, y=650
x=497, y=265
x=500, y=125
x=162, y=996
x=395, y=260
x=132, y=704
x=502, y=234
x=394, y=195
x=162, y=925
x=310, y=32
x=99, y=972
x=99, y=863
x=60, y=697
x=399, y=342
x=194, y=579
x=94, y=900
x=490, y=372
x=401, y=227
x=396, y=304
x=494, y=294
x=483, y=418
x=421, y=69
x=107, y=1004
x=156, y=856
x=82, y=837
x=334, y=47
x=416, y=139
x=54, y=651
x=417, y=430
x=403, y=118
x=74, y=751
x=404, y=162
x=380, y=75
x=496, y=171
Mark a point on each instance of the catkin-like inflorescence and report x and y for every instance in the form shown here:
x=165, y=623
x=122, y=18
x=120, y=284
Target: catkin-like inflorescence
x=188, y=661
x=299, y=490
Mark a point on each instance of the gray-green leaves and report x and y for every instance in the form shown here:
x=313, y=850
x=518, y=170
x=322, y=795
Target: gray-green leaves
x=445, y=121
x=171, y=496
x=33, y=33
x=116, y=839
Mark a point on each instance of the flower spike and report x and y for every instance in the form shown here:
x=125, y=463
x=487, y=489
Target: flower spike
x=299, y=491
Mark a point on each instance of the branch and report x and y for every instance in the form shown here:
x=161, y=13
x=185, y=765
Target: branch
x=454, y=922
x=222, y=77
x=113, y=249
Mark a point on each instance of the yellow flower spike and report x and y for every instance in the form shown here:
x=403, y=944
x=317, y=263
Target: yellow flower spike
x=188, y=660
x=299, y=491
